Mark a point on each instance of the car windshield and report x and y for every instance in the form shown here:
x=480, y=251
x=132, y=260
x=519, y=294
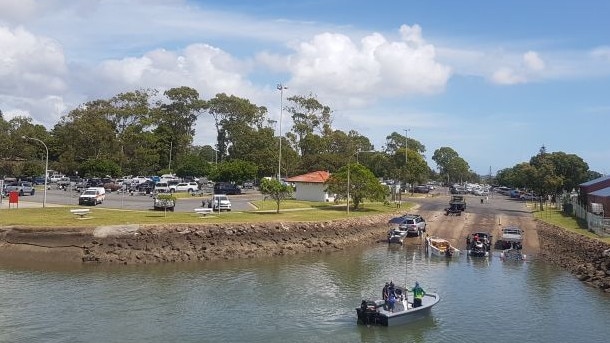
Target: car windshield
x=89, y=193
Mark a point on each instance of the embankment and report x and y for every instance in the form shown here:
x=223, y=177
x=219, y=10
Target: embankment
x=134, y=244
x=587, y=258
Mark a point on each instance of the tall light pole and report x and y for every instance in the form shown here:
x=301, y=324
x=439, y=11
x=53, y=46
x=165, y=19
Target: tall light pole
x=349, y=161
x=169, y=165
x=46, y=168
x=281, y=88
x=406, y=158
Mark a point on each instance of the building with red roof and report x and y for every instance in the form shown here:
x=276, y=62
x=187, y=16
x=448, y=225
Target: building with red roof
x=311, y=187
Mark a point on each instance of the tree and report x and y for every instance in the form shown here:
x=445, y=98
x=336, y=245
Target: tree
x=99, y=168
x=362, y=184
x=277, y=190
x=234, y=171
x=233, y=117
x=451, y=166
x=308, y=116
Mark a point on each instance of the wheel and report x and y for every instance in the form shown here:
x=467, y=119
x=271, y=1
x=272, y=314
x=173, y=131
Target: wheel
x=21, y=192
x=32, y=192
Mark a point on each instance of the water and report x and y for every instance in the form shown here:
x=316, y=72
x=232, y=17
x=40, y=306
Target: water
x=307, y=298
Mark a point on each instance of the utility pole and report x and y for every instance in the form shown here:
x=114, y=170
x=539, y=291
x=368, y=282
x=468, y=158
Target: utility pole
x=281, y=88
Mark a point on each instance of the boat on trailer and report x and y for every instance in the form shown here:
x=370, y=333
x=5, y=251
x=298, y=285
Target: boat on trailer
x=375, y=312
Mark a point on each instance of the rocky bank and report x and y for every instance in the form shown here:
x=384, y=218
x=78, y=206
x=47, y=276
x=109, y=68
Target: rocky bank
x=587, y=258
x=134, y=244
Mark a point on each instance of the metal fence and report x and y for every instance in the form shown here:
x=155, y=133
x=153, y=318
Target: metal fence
x=595, y=223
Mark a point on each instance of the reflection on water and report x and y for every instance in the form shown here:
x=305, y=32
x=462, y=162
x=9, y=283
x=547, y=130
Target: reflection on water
x=308, y=298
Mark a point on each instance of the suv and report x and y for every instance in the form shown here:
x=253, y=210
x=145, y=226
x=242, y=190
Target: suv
x=413, y=224
x=219, y=202
x=226, y=188
x=184, y=187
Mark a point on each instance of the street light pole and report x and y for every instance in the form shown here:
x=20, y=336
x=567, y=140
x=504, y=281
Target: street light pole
x=281, y=88
x=349, y=161
x=46, y=168
x=406, y=158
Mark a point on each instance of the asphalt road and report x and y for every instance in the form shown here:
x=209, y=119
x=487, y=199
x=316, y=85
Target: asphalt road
x=136, y=201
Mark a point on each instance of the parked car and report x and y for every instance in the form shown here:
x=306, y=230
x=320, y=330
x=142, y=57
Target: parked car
x=421, y=189
x=92, y=196
x=21, y=187
x=184, y=187
x=226, y=188
x=218, y=202
x=161, y=187
x=164, y=202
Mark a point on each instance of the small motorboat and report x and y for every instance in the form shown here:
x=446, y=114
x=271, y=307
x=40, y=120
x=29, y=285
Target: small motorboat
x=375, y=312
x=397, y=236
x=436, y=246
x=478, y=249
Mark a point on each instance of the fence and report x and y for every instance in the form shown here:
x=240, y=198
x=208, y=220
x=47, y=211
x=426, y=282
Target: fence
x=595, y=223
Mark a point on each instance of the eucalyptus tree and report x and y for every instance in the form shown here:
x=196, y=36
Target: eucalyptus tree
x=451, y=166
x=85, y=133
x=174, y=121
x=234, y=118
x=309, y=116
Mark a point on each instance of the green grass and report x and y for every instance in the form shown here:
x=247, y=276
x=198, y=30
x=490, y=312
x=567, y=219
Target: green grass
x=60, y=217
x=570, y=223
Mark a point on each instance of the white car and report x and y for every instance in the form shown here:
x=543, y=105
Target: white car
x=219, y=202
x=184, y=187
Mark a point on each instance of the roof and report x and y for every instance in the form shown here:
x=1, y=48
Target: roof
x=594, y=181
x=313, y=177
x=604, y=192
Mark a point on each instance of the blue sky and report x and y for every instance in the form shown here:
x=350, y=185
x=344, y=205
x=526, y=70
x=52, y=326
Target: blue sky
x=494, y=80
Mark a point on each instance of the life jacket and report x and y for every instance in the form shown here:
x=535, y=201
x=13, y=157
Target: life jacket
x=418, y=292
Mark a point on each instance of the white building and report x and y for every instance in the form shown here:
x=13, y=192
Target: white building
x=310, y=186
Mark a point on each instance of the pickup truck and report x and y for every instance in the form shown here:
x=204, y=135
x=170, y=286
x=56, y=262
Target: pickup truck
x=457, y=202
x=22, y=187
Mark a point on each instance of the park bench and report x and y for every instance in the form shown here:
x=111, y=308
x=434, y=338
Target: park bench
x=203, y=211
x=80, y=212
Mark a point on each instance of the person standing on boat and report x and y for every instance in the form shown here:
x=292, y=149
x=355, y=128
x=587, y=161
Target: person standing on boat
x=384, y=292
x=391, y=302
x=418, y=294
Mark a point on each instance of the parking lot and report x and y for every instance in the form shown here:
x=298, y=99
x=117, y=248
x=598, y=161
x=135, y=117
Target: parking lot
x=135, y=201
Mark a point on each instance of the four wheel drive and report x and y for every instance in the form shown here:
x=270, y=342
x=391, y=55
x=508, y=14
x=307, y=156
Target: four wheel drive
x=184, y=187
x=218, y=202
x=412, y=224
x=21, y=187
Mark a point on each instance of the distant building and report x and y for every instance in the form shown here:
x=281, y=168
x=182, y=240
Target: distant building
x=310, y=186
x=596, y=193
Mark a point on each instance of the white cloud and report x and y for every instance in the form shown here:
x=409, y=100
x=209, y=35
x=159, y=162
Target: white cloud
x=533, y=62
x=369, y=69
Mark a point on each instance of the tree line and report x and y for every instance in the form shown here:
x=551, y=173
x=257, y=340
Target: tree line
x=148, y=132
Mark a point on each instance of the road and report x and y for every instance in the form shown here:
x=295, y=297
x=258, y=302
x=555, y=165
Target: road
x=492, y=215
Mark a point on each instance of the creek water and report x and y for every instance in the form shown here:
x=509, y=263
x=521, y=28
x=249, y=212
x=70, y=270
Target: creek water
x=304, y=298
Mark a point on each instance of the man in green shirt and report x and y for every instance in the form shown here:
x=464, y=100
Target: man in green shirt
x=418, y=294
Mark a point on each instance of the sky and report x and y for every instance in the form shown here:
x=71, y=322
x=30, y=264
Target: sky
x=493, y=80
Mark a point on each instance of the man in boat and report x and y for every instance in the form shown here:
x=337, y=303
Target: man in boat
x=418, y=294
x=384, y=292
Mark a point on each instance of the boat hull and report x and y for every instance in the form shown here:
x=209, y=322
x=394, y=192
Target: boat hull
x=376, y=314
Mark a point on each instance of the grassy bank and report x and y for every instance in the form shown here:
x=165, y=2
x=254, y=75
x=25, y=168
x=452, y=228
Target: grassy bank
x=558, y=218
x=58, y=217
